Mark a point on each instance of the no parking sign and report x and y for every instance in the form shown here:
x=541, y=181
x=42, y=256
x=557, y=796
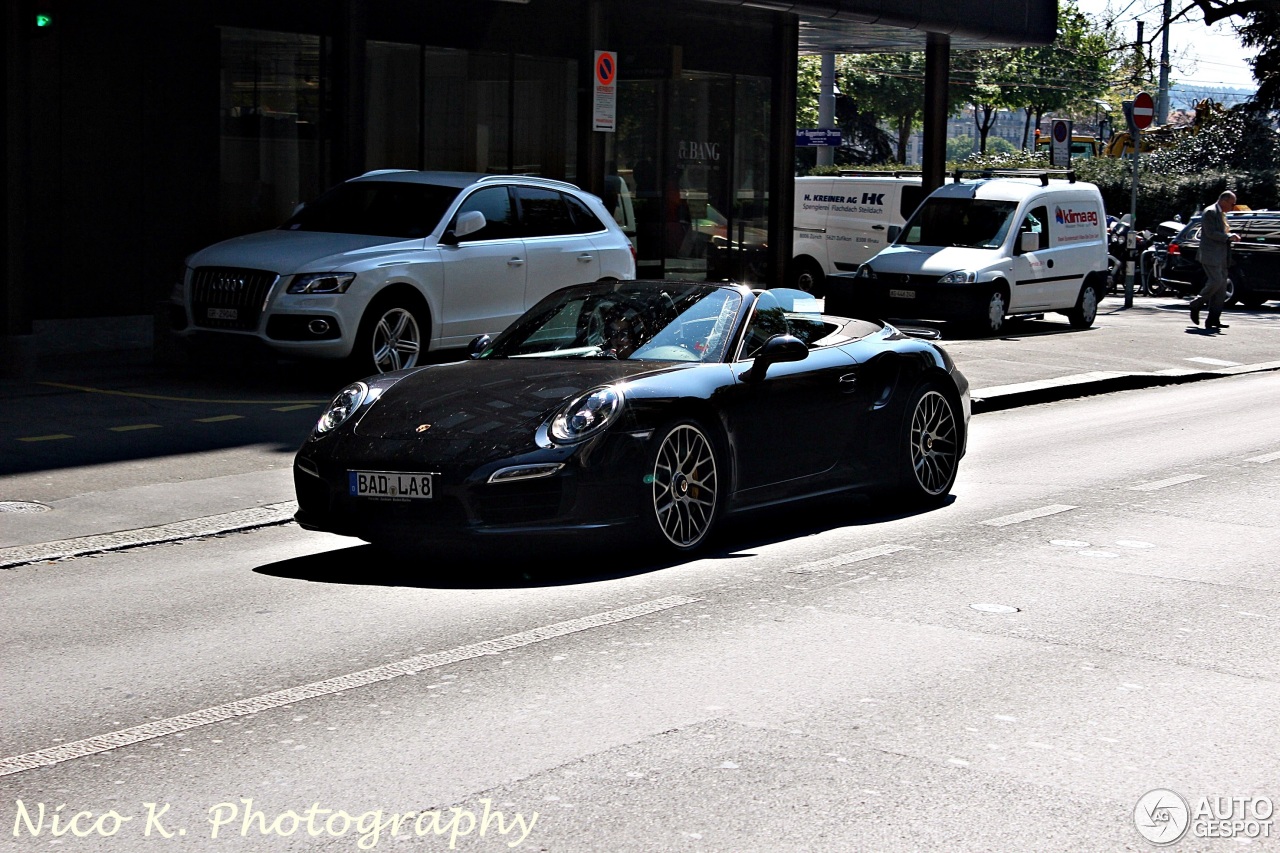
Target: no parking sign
x=605, y=98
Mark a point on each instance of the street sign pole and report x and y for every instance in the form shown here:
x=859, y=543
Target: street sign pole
x=1132, y=241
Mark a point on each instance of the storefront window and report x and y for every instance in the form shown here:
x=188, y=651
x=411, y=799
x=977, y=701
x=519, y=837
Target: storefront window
x=392, y=94
x=274, y=138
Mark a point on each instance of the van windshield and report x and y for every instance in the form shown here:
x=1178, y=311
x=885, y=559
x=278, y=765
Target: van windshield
x=974, y=223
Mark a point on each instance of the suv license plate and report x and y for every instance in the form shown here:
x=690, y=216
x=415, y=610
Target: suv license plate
x=223, y=314
x=389, y=484
x=902, y=294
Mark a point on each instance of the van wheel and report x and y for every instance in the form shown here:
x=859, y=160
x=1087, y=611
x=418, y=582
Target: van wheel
x=991, y=321
x=1086, y=310
x=807, y=275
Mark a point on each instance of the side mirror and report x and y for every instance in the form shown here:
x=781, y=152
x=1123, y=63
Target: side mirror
x=478, y=345
x=895, y=231
x=468, y=222
x=1028, y=241
x=778, y=349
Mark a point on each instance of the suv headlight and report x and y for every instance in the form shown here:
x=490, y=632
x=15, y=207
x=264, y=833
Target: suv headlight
x=587, y=415
x=342, y=407
x=322, y=282
x=865, y=271
x=959, y=277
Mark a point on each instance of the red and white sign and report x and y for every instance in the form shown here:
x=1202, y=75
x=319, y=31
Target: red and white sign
x=605, y=97
x=1144, y=111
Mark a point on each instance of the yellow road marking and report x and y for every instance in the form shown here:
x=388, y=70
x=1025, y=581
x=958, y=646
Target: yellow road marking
x=140, y=396
x=218, y=418
x=46, y=437
x=132, y=427
x=295, y=408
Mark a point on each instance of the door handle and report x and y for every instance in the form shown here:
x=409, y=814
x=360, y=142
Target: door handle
x=877, y=227
x=848, y=383
x=585, y=258
x=516, y=262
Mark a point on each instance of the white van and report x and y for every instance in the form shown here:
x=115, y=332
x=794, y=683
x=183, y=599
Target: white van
x=1010, y=243
x=840, y=222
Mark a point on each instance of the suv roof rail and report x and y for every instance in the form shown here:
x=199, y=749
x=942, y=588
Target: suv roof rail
x=383, y=172
x=880, y=173
x=1042, y=174
x=533, y=179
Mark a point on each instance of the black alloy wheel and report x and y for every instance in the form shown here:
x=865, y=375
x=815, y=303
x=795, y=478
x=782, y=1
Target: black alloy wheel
x=684, y=498
x=931, y=433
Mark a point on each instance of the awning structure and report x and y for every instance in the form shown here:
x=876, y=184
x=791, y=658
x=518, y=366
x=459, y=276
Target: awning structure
x=886, y=26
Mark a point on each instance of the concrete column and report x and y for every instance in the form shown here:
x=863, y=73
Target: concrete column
x=827, y=106
x=937, y=62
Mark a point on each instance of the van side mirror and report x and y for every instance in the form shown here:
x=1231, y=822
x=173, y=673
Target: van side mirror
x=1028, y=241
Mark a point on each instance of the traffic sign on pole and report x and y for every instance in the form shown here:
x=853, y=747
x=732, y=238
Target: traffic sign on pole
x=1144, y=110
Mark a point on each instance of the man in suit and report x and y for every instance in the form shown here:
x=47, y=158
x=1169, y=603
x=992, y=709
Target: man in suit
x=1215, y=256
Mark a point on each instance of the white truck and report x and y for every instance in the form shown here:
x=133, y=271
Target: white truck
x=984, y=249
x=840, y=222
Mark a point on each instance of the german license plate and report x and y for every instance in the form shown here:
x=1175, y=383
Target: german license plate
x=223, y=314
x=902, y=294
x=389, y=484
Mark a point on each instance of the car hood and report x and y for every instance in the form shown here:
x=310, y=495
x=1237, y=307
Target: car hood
x=499, y=400
x=931, y=260
x=287, y=252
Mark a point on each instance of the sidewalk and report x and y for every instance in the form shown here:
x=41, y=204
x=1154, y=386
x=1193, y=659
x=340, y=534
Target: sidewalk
x=1035, y=361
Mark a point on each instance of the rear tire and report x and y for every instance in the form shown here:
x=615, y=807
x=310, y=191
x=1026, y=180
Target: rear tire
x=393, y=335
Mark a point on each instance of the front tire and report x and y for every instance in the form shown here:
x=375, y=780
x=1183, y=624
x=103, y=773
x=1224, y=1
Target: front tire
x=393, y=335
x=1086, y=310
x=991, y=321
x=930, y=447
x=807, y=275
x=685, y=495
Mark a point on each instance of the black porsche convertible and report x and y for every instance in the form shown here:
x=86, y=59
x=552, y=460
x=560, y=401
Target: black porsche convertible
x=654, y=407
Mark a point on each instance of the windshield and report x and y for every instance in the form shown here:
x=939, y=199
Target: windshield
x=646, y=321
x=378, y=208
x=974, y=223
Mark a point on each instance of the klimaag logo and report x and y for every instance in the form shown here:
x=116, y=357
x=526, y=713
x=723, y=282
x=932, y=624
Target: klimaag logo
x=1075, y=217
x=1164, y=817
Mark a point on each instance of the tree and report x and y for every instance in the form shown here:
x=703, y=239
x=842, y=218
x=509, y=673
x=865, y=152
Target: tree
x=889, y=85
x=984, y=79
x=1263, y=32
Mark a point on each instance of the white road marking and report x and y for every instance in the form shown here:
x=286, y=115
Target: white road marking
x=845, y=559
x=1028, y=515
x=1266, y=457
x=339, y=684
x=1164, y=484
x=1217, y=362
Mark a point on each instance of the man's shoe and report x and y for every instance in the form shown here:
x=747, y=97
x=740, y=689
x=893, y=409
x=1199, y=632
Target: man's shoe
x=1195, y=314
x=1216, y=326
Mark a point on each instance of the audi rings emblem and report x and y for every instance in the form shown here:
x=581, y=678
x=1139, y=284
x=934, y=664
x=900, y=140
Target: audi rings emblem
x=228, y=284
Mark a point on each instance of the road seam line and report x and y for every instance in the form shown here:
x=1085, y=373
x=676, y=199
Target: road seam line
x=209, y=525
x=1028, y=515
x=327, y=687
x=1164, y=484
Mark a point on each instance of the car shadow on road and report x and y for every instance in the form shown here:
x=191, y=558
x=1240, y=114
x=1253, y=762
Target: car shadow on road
x=582, y=561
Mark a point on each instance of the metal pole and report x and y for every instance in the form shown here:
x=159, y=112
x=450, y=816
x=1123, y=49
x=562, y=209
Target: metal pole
x=1162, y=100
x=1131, y=240
x=827, y=106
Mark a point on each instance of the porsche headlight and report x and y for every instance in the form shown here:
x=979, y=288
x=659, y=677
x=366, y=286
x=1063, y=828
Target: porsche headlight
x=322, y=282
x=865, y=271
x=959, y=277
x=587, y=414
x=347, y=401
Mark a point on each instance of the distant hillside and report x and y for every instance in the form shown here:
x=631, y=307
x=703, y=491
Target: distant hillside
x=1186, y=97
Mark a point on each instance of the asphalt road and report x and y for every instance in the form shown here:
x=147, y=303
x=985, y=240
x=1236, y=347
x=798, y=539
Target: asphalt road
x=1093, y=617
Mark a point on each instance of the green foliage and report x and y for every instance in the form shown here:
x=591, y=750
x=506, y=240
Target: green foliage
x=1236, y=151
